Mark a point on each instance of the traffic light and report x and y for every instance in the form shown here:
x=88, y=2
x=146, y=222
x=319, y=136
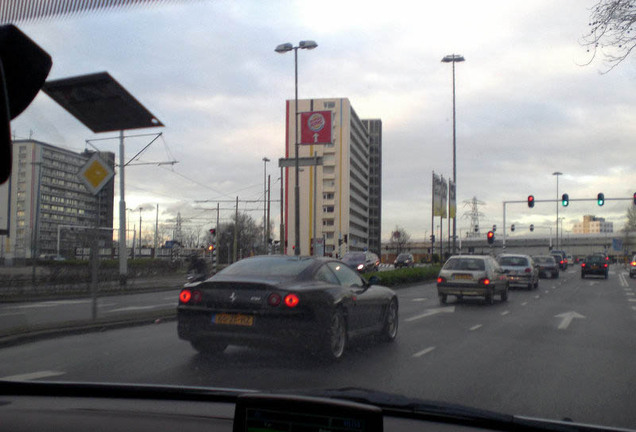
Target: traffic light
x=565, y=200
x=634, y=198
x=531, y=227
x=600, y=199
x=494, y=228
x=213, y=231
x=531, y=201
x=433, y=237
x=211, y=248
x=512, y=227
x=491, y=237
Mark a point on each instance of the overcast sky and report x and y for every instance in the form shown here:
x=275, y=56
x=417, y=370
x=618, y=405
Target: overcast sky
x=526, y=105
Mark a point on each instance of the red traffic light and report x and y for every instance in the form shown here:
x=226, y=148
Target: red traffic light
x=212, y=231
x=491, y=237
x=530, y=201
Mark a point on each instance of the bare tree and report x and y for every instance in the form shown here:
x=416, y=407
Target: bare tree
x=399, y=239
x=610, y=35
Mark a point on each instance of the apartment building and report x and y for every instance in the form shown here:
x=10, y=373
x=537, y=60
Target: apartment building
x=339, y=210
x=593, y=225
x=49, y=206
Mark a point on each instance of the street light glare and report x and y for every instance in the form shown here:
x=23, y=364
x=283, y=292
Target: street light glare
x=283, y=48
x=453, y=58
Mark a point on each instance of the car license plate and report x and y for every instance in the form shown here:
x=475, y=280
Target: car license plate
x=462, y=276
x=233, y=319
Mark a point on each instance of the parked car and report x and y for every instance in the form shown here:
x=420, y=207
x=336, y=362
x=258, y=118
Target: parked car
x=559, y=256
x=595, y=265
x=363, y=262
x=316, y=303
x=547, y=265
x=404, y=260
x=472, y=275
x=632, y=267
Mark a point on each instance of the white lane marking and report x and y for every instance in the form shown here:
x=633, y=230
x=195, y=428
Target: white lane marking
x=524, y=303
x=632, y=300
x=432, y=312
x=634, y=308
x=537, y=297
x=547, y=292
x=622, y=279
x=137, y=308
x=475, y=327
x=629, y=294
x=423, y=352
x=505, y=313
x=421, y=299
x=33, y=376
x=567, y=318
x=11, y=314
x=52, y=304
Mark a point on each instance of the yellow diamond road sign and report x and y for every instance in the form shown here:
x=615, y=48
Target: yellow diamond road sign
x=95, y=174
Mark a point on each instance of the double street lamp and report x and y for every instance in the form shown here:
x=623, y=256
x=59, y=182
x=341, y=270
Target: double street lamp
x=454, y=58
x=282, y=49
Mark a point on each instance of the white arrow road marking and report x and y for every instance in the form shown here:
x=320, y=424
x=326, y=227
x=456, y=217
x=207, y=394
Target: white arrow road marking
x=431, y=312
x=32, y=376
x=423, y=352
x=567, y=319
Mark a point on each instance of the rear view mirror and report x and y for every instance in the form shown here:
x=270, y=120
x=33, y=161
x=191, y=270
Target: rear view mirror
x=24, y=67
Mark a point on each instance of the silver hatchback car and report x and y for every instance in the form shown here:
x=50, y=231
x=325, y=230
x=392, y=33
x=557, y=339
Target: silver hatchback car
x=472, y=275
x=521, y=270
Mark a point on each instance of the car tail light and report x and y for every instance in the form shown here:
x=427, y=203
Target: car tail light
x=274, y=299
x=185, y=296
x=197, y=296
x=441, y=280
x=291, y=300
x=561, y=262
x=582, y=264
x=633, y=263
x=528, y=270
x=605, y=265
x=485, y=281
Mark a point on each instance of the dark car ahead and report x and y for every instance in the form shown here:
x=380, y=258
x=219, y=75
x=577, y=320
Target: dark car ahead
x=363, y=262
x=282, y=301
x=595, y=265
x=472, y=275
x=404, y=260
x=559, y=257
x=547, y=266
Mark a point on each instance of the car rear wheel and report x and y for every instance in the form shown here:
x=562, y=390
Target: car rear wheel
x=336, y=340
x=390, y=330
x=504, y=294
x=490, y=297
x=582, y=275
x=207, y=347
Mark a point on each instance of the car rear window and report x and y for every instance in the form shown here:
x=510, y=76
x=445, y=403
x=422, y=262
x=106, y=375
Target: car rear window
x=513, y=261
x=544, y=260
x=268, y=267
x=470, y=264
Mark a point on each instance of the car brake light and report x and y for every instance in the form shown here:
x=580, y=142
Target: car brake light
x=441, y=280
x=605, y=265
x=485, y=281
x=185, y=296
x=291, y=300
x=274, y=299
x=528, y=270
x=582, y=264
x=633, y=263
x=561, y=262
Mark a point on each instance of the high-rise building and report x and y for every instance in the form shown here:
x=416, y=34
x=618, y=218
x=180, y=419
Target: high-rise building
x=336, y=198
x=49, y=206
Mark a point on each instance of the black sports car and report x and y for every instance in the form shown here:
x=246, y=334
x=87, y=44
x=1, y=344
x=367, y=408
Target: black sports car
x=276, y=301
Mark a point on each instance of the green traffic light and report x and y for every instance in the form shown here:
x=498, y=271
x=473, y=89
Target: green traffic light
x=600, y=198
x=565, y=200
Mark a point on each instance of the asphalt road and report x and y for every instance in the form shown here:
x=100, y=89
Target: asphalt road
x=566, y=349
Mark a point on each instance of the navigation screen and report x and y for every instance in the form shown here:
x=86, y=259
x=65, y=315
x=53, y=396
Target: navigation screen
x=287, y=414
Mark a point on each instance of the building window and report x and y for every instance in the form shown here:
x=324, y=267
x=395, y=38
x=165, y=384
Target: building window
x=327, y=209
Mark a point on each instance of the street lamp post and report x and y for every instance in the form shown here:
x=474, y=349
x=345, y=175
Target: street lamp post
x=265, y=229
x=454, y=58
x=281, y=49
x=140, y=209
x=557, y=174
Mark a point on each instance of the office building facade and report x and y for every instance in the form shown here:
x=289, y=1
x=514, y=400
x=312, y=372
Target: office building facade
x=50, y=208
x=335, y=198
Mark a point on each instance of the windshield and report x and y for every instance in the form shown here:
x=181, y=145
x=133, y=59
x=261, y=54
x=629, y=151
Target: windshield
x=544, y=260
x=268, y=142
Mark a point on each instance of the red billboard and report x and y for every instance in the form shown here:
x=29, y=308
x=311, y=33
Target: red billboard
x=315, y=127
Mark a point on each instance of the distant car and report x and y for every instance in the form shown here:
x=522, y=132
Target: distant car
x=404, y=260
x=632, y=267
x=472, y=275
x=594, y=265
x=281, y=301
x=363, y=262
x=559, y=256
x=520, y=270
x=547, y=266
